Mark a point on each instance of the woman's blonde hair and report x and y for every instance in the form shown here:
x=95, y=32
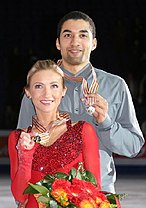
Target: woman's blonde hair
x=44, y=65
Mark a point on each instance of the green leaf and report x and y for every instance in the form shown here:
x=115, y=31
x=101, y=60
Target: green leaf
x=113, y=205
x=40, y=183
x=73, y=172
x=61, y=175
x=30, y=190
x=43, y=199
x=88, y=176
x=49, y=177
x=72, y=205
x=111, y=197
x=39, y=188
x=121, y=196
x=47, y=184
x=79, y=176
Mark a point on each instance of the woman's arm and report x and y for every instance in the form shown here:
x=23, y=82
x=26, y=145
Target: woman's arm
x=20, y=166
x=91, y=151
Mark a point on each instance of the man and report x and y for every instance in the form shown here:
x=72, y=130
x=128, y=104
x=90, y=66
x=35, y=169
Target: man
x=112, y=113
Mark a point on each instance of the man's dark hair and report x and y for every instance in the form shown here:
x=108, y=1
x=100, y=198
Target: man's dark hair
x=76, y=15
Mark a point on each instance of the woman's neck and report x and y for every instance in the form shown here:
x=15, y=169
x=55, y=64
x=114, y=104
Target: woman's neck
x=46, y=119
x=48, y=126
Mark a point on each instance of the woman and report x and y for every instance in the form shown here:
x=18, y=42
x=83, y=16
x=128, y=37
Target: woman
x=53, y=143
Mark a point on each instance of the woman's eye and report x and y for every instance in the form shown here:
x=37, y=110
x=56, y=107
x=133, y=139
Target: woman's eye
x=54, y=86
x=38, y=86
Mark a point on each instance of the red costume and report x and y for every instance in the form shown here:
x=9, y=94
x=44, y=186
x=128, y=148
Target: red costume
x=78, y=144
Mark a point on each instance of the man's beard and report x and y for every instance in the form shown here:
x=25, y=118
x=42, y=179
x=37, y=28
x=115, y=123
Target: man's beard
x=74, y=60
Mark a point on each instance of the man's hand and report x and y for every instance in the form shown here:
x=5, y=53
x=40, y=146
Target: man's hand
x=100, y=105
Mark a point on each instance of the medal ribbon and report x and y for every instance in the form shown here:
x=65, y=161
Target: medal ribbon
x=94, y=85
x=44, y=136
x=62, y=118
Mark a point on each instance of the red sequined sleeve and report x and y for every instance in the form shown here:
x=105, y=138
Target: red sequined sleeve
x=20, y=167
x=91, y=151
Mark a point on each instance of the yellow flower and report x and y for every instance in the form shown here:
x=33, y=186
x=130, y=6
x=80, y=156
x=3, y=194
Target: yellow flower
x=98, y=200
x=88, y=203
x=61, y=196
x=105, y=204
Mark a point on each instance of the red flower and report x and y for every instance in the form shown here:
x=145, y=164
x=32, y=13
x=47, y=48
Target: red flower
x=61, y=183
x=100, y=195
x=83, y=186
x=83, y=192
x=61, y=191
x=74, y=192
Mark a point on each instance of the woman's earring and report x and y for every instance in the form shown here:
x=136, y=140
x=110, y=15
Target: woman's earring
x=62, y=96
x=29, y=97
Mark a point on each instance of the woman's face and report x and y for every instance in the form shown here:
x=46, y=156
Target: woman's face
x=46, y=90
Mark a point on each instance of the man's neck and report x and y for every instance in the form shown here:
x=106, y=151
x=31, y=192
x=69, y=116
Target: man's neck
x=74, y=69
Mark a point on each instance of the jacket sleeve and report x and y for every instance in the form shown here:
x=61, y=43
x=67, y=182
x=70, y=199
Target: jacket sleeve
x=91, y=156
x=121, y=132
x=20, y=167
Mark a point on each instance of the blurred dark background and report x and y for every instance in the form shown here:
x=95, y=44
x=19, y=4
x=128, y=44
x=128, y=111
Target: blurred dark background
x=28, y=33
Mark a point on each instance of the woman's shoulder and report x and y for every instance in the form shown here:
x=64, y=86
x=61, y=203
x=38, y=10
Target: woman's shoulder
x=73, y=123
x=75, y=126
x=85, y=124
x=88, y=125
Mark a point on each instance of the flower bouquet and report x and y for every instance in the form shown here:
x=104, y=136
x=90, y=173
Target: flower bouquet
x=78, y=189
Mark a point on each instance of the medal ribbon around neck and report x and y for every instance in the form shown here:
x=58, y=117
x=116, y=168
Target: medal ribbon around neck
x=44, y=135
x=86, y=90
x=94, y=85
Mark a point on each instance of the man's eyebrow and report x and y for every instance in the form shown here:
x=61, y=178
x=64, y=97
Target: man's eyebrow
x=66, y=31
x=84, y=31
x=81, y=31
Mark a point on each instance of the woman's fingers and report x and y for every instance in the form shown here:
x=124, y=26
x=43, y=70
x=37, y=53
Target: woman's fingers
x=26, y=141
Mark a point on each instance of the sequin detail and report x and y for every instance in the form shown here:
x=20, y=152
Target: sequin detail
x=62, y=152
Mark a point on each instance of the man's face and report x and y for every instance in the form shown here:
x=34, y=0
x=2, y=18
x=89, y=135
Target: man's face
x=76, y=43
